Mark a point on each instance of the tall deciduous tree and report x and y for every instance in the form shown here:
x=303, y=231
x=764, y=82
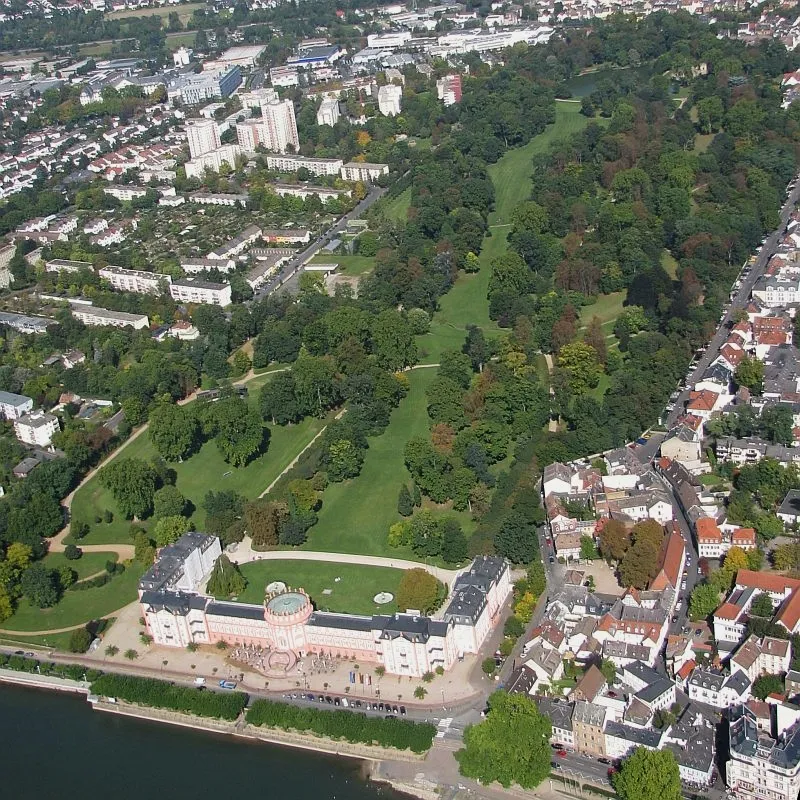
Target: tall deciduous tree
x=173, y=431
x=226, y=580
x=512, y=745
x=133, y=484
x=240, y=431
x=419, y=590
x=647, y=774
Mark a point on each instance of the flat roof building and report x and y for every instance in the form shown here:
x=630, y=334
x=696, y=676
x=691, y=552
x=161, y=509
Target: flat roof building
x=94, y=316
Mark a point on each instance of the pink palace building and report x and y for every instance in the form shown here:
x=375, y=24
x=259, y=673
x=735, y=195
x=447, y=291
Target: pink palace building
x=177, y=614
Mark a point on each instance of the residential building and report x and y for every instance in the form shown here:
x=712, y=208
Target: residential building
x=250, y=133
x=193, y=266
x=14, y=406
x=363, y=171
x=184, y=331
x=789, y=510
x=757, y=657
x=287, y=236
x=203, y=136
x=25, y=323
x=328, y=112
x=213, y=160
x=716, y=689
x=195, y=290
x=63, y=265
x=6, y=255
x=390, y=100
x=94, y=316
x=284, y=76
x=316, y=166
x=448, y=89
x=588, y=721
x=691, y=741
x=218, y=199
x=712, y=542
x=762, y=766
x=560, y=715
x=134, y=280
x=305, y=190
x=280, y=127
x=36, y=428
x=233, y=247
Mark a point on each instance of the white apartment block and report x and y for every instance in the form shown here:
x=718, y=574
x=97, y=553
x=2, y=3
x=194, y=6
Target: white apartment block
x=126, y=193
x=203, y=136
x=193, y=266
x=64, y=265
x=316, y=166
x=280, y=126
x=135, y=280
x=363, y=171
x=195, y=290
x=226, y=154
x=328, y=112
x=284, y=76
x=390, y=100
x=762, y=767
x=36, y=428
x=13, y=406
x=94, y=317
x=250, y=134
x=304, y=191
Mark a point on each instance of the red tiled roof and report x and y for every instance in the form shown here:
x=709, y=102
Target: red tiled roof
x=771, y=338
x=728, y=611
x=789, y=612
x=669, y=574
x=732, y=354
x=707, y=530
x=703, y=400
x=743, y=536
x=686, y=670
x=767, y=581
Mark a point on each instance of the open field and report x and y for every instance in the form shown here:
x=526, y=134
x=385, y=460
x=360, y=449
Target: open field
x=351, y=587
x=88, y=564
x=205, y=470
x=59, y=641
x=356, y=514
x=607, y=308
x=466, y=302
x=702, y=141
x=348, y=265
x=396, y=208
x=78, y=607
x=184, y=11
x=669, y=264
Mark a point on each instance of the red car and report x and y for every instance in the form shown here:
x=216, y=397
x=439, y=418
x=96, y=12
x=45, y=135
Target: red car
x=561, y=753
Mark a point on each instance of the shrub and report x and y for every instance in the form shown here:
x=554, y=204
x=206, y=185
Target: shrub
x=108, y=516
x=352, y=727
x=79, y=640
x=72, y=553
x=161, y=694
x=488, y=665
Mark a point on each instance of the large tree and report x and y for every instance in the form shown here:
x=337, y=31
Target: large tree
x=133, y=484
x=704, y=601
x=40, y=586
x=173, y=431
x=419, y=590
x=240, y=431
x=512, y=745
x=516, y=539
x=225, y=581
x=614, y=540
x=647, y=774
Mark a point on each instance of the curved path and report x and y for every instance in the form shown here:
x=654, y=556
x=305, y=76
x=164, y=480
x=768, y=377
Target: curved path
x=125, y=551
x=245, y=554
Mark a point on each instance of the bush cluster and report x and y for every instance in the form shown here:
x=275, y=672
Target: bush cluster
x=352, y=727
x=74, y=672
x=160, y=694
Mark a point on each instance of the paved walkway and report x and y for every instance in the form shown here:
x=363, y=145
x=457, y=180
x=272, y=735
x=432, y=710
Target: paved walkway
x=244, y=554
x=125, y=551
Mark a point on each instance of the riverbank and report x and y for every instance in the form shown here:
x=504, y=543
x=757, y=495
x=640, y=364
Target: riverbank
x=43, y=682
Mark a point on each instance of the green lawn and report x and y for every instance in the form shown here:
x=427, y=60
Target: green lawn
x=183, y=11
x=607, y=307
x=702, y=141
x=396, y=208
x=75, y=608
x=356, y=514
x=88, y=564
x=348, y=265
x=351, y=586
x=204, y=471
x=466, y=302
x=59, y=641
x=669, y=264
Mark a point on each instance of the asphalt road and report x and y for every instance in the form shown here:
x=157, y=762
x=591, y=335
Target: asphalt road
x=739, y=300
x=296, y=263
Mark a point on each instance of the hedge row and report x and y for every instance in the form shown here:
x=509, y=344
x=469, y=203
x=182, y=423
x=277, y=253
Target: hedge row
x=161, y=694
x=74, y=672
x=353, y=727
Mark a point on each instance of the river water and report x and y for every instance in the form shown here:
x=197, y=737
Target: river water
x=55, y=746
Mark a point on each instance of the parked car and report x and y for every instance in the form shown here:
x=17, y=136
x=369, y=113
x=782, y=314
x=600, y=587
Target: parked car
x=227, y=684
x=561, y=753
